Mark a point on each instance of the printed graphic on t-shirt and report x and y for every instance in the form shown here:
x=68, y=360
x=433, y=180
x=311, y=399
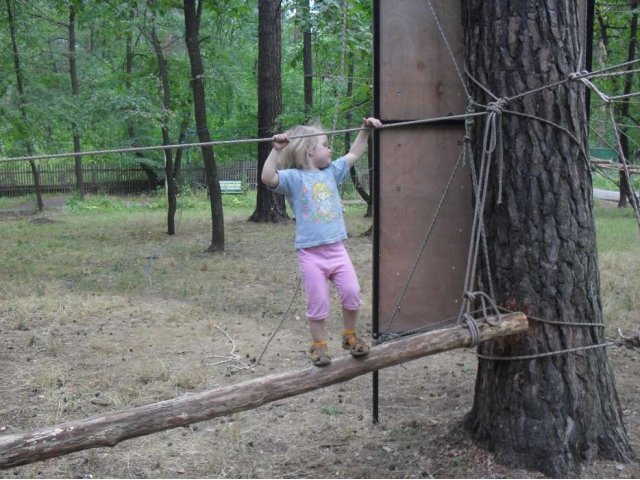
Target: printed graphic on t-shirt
x=318, y=205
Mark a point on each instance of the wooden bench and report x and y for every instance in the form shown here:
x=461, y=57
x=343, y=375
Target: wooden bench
x=231, y=186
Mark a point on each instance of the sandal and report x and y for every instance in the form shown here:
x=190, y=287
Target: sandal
x=318, y=354
x=356, y=346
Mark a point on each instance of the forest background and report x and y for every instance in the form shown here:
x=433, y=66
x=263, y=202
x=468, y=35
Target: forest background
x=91, y=78
x=105, y=90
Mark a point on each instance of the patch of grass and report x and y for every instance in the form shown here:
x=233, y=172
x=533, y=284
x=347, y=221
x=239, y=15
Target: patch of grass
x=332, y=411
x=619, y=260
x=13, y=202
x=616, y=229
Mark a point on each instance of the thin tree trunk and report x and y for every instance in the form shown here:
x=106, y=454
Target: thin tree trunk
x=604, y=37
x=169, y=180
x=347, y=141
x=553, y=412
x=23, y=109
x=75, y=90
x=625, y=187
x=307, y=60
x=152, y=176
x=177, y=165
x=270, y=207
x=343, y=61
x=192, y=16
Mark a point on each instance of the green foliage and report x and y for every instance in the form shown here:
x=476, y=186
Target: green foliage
x=611, y=47
x=113, y=104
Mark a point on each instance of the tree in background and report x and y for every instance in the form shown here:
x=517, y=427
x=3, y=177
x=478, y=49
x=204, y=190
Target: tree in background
x=192, y=18
x=128, y=20
x=617, y=42
x=75, y=90
x=22, y=107
x=270, y=207
x=553, y=412
x=116, y=102
x=170, y=186
x=307, y=55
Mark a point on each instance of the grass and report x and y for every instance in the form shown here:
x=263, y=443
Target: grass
x=618, y=240
x=101, y=310
x=119, y=244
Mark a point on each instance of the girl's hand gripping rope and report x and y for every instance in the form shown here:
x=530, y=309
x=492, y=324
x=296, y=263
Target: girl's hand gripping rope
x=279, y=141
x=371, y=122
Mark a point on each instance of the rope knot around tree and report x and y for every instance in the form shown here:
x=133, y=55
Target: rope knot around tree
x=474, y=330
x=498, y=106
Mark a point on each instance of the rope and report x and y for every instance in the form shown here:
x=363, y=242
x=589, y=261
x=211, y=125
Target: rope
x=284, y=316
x=543, y=355
x=227, y=142
x=390, y=336
x=474, y=330
x=580, y=77
x=480, y=185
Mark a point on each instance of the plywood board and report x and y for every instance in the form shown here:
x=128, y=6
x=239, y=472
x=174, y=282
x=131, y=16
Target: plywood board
x=418, y=78
x=415, y=166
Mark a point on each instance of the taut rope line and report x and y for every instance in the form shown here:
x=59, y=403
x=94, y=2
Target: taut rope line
x=230, y=142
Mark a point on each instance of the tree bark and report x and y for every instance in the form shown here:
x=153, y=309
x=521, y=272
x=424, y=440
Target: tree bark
x=364, y=195
x=547, y=413
x=192, y=16
x=169, y=180
x=23, y=110
x=625, y=187
x=112, y=428
x=152, y=177
x=270, y=206
x=307, y=57
x=75, y=90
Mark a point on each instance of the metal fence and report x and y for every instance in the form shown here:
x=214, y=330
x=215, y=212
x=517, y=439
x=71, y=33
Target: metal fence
x=17, y=180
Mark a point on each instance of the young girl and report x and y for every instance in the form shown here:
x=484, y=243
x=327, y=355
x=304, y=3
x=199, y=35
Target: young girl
x=301, y=169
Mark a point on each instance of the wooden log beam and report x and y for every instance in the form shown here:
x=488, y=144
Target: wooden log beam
x=112, y=428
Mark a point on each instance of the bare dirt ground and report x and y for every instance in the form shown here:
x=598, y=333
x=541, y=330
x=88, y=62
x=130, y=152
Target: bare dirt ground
x=67, y=353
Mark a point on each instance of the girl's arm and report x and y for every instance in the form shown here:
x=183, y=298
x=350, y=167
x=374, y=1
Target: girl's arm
x=269, y=170
x=359, y=146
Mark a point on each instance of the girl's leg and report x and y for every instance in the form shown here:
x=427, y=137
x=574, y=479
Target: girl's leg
x=318, y=350
x=346, y=282
x=316, y=327
x=350, y=317
x=315, y=283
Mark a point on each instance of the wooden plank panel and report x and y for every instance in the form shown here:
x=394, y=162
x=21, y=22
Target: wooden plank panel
x=418, y=78
x=415, y=166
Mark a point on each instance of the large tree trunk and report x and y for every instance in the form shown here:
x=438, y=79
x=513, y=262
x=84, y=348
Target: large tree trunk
x=192, y=16
x=547, y=413
x=270, y=207
x=75, y=90
x=23, y=110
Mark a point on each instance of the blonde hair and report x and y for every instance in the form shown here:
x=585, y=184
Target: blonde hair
x=295, y=153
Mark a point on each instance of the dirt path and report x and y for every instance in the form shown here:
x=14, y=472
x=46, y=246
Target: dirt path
x=56, y=202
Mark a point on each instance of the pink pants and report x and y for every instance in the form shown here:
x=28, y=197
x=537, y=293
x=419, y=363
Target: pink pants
x=320, y=264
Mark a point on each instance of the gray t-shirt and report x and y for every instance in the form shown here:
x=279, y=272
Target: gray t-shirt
x=314, y=198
